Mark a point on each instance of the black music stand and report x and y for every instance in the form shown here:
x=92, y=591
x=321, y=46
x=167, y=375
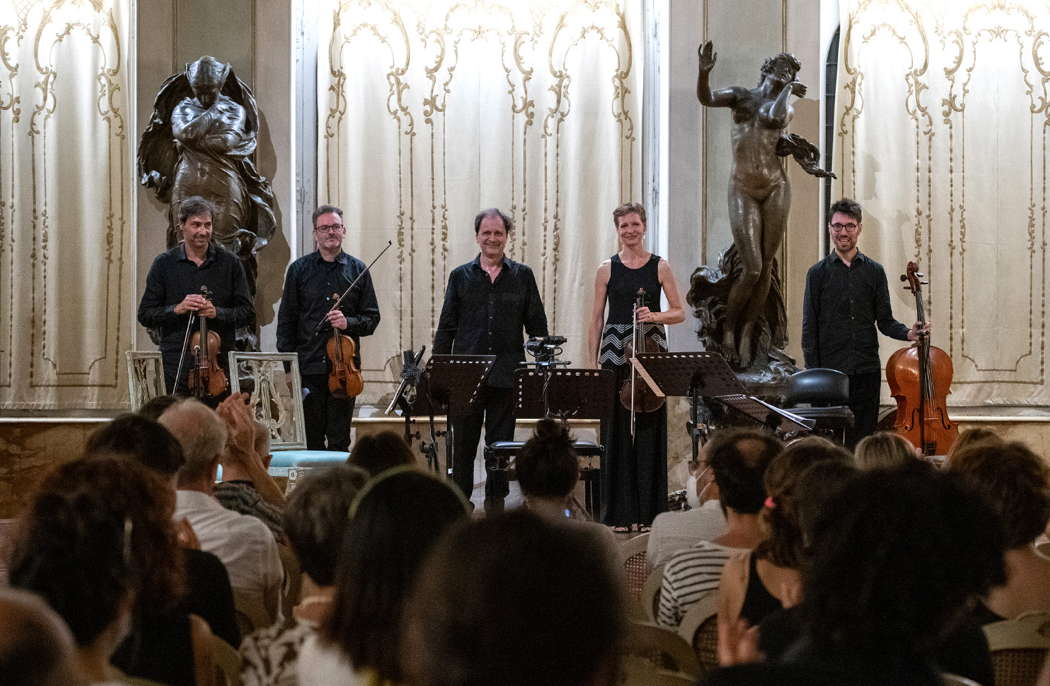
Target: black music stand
x=449, y=385
x=707, y=375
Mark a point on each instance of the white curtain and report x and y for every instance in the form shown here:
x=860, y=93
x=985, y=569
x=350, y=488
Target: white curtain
x=431, y=111
x=943, y=114
x=65, y=181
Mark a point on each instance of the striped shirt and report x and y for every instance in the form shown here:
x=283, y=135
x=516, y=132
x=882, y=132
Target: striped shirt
x=687, y=575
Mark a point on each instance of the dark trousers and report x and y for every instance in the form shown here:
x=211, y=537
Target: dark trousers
x=864, y=401
x=327, y=418
x=496, y=412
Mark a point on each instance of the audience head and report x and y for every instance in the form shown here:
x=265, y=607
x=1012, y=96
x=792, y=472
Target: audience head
x=884, y=450
x=36, y=648
x=202, y=435
x=1013, y=480
x=971, y=437
x=516, y=600
x=155, y=407
x=818, y=483
x=96, y=541
x=376, y=453
x=784, y=545
x=899, y=556
x=315, y=518
x=394, y=521
x=144, y=440
x=547, y=466
x=739, y=459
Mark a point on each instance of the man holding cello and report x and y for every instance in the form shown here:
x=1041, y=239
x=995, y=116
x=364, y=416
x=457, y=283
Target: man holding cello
x=196, y=277
x=846, y=298
x=313, y=284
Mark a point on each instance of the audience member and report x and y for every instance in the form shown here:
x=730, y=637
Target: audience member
x=1013, y=480
x=884, y=450
x=704, y=520
x=243, y=543
x=98, y=544
x=315, y=520
x=971, y=437
x=246, y=485
x=738, y=460
x=376, y=453
x=755, y=584
x=898, y=557
x=208, y=592
x=155, y=407
x=36, y=648
x=394, y=521
x=516, y=600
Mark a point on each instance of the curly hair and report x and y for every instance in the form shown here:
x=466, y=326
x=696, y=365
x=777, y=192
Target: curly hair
x=515, y=600
x=883, y=450
x=739, y=460
x=315, y=518
x=395, y=520
x=900, y=555
x=376, y=453
x=1014, y=481
x=95, y=531
x=547, y=465
x=846, y=206
x=783, y=545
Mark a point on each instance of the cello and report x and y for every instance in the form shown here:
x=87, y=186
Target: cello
x=920, y=378
x=635, y=394
x=206, y=379
x=344, y=378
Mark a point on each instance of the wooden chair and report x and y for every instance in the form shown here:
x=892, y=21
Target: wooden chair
x=650, y=595
x=227, y=663
x=1019, y=647
x=662, y=648
x=636, y=570
x=639, y=672
x=699, y=628
x=250, y=614
x=293, y=580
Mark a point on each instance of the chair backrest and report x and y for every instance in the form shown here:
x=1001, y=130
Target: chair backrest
x=293, y=580
x=699, y=628
x=639, y=672
x=950, y=679
x=250, y=614
x=1019, y=647
x=662, y=648
x=817, y=387
x=635, y=566
x=227, y=663
x=6, y=532
x=650, y=595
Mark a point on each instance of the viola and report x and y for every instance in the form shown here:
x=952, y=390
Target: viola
x=206, y=379
x=344, y=378
x=635, y=394
x=920, y=378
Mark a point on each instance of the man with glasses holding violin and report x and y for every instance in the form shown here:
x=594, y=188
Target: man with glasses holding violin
x=308, y=300
x=846, y=298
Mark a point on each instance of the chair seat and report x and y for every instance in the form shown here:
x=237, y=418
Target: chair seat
x=825, y=414
x=582, y=448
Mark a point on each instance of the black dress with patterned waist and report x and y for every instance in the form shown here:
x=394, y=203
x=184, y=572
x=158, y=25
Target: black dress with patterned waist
x=634, y=473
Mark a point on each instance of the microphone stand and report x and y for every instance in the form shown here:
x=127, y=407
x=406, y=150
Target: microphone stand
x=185, y=346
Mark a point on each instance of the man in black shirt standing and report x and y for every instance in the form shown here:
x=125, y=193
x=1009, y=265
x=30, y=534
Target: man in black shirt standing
x=173, y=291
x=488, y=302
x=846, y=297
x=309, y=287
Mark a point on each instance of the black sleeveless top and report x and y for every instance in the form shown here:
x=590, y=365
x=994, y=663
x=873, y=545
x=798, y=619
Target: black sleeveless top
x=758, y=601
x=623, y=286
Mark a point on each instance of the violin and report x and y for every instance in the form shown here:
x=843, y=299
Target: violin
x=635, y=394
x=344, y=378
x=920, y=378
x=206, y=378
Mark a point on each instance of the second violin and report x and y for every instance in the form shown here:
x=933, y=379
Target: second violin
x=344, y=377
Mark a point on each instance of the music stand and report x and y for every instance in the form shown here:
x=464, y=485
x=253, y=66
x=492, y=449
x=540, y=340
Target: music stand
x=449, y=385
x=707, y=374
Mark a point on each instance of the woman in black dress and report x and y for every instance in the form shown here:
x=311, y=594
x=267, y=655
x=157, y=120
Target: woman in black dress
x=634, y=473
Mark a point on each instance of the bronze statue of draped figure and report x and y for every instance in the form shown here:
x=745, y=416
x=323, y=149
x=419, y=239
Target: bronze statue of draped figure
x=739, y=303
x=201, y=141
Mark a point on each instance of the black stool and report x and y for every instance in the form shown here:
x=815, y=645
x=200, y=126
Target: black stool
x=499, y=456
x=822, y=395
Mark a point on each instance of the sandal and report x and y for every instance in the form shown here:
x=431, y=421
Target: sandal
x=644, y=528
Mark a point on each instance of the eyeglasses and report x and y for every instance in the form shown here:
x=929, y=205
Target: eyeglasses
x=844, y=227
x=330, y=228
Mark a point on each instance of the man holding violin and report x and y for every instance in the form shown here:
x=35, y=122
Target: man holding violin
x=313, y=284
x=846, y=298
x=174, y=292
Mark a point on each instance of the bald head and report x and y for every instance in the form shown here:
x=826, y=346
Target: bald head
x=202, y=435
x=36, y=647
